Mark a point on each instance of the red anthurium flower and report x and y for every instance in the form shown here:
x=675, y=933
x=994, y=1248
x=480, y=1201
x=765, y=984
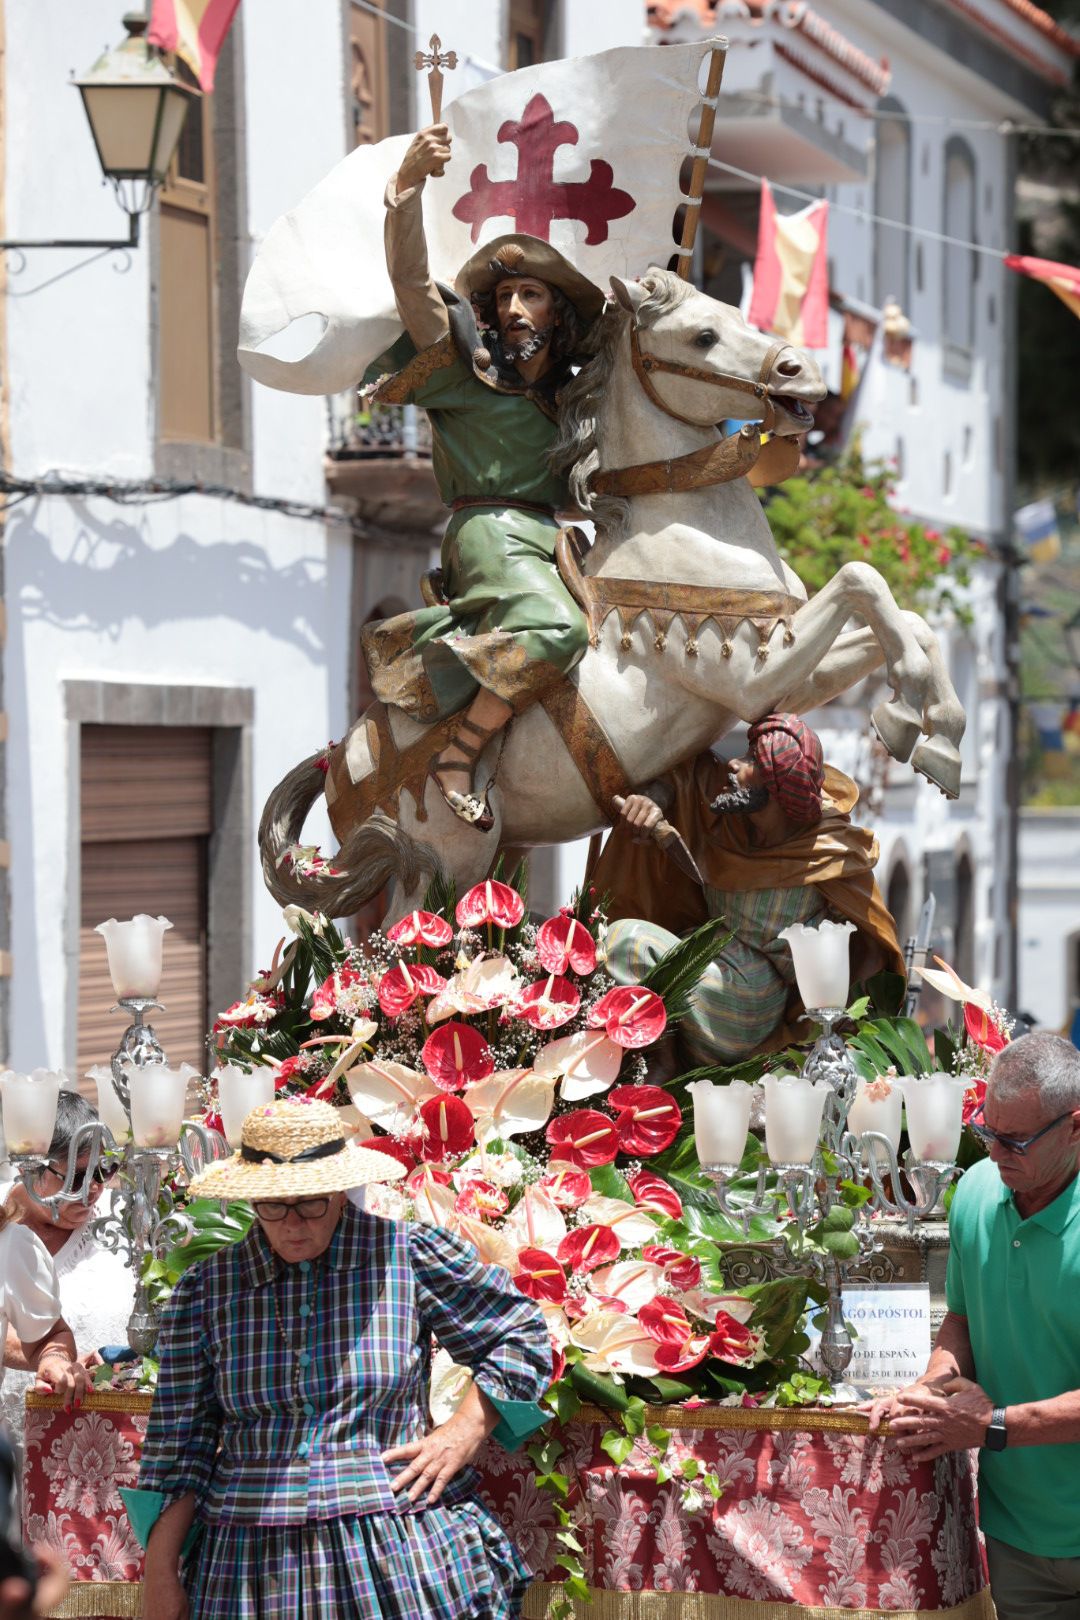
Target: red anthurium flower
x=563, y=943
x=681, y=1270
x=324, y=1000
x=558, y=1362
x=678, y=1347
x=677, y=1358
x=287, y=1070
x=566, y=1186
x=483, y=1200
x=392, y=1147
x=974, y=1099
x=587, y=1247
x=449, y=1128
x=490, y=902
x=981, y=1030
x=731, y=1340
x=423, y=1176
x=652, y=1192
x=457, y=1055
x=421, y=928
x=629, y=1015
x=400, y=986
x=540, y=1276
x=548, y=1003
x=648, y=1119
x=583, y=1138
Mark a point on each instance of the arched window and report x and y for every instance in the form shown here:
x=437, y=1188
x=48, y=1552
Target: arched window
x=892, y=201
x=961, y=264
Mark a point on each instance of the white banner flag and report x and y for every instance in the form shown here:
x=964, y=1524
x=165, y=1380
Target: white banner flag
x=584, y=153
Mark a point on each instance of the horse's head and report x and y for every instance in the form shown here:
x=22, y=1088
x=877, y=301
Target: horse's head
x=700, y=362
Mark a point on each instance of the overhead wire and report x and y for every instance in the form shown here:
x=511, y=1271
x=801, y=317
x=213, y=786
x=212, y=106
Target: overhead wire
x=152, y=491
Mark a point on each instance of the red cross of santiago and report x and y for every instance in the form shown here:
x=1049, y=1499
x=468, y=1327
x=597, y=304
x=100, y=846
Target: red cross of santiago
x=535, y=197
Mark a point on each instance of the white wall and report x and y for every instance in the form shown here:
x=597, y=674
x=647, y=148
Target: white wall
x=1049, y=913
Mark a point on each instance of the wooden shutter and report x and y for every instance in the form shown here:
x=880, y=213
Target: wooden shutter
x=188, y=348
x=146, y=816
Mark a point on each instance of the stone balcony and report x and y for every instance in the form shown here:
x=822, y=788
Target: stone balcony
x=379, y=458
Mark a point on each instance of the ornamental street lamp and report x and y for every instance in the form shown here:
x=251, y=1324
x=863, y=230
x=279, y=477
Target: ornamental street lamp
x=136, y=108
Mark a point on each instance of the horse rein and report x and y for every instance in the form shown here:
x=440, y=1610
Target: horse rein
x=647, y=364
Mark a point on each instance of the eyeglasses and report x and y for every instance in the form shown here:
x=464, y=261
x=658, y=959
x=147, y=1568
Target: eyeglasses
x=98, y=1176
x=1012, y=1144
x=308, y=1209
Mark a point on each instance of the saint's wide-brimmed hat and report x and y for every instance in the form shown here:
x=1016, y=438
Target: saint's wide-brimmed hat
x=294, y=1148
x=522, y=255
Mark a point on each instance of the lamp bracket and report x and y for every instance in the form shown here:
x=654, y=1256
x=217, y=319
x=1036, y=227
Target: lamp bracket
x=130, y=241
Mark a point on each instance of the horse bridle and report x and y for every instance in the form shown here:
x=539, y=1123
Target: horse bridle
x=646, y=364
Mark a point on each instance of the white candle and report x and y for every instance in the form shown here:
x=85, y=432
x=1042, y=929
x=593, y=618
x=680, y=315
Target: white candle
x=877, y=1107
x=721, y=1119
x=111, y=1110
x=29, y=1109
x=134, y=949
x=158, y=1103
x=238, y=1093
x=793, y=1110
x=821, y=956
x=934, y=1104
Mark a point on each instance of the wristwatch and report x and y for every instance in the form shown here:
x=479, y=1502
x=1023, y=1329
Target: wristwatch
x=997, y=1435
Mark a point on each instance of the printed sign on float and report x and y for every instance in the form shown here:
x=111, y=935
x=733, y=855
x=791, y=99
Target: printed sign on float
x=892, y=1321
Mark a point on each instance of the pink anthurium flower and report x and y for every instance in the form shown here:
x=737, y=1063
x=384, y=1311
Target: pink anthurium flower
x=680, y=1270
x=482, y=1200
x=563, y=943
x=583, y=1137
x=447, y=1129
x=490, y=902
x=587, y=1247
x=540, y=1276
x=400, y=986
x=325, y=999
x=457, y=1055
x=630, y=1016
x=549, y=1003
x=421, y=928
x=566, y=1186
x=653, y=1192
x=648, y=1118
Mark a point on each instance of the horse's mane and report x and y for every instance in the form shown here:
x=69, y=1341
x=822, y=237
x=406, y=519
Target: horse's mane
x=575, y=451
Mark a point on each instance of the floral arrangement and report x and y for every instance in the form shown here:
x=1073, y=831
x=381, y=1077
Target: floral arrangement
x=515, y=1081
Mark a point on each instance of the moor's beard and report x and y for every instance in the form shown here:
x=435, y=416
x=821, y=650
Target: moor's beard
x=740, y=801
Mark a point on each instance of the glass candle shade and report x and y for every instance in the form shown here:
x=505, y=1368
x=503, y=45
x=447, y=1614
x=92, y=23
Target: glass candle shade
x=721, y=1119
x=111, y=1110
x=877, y=1107
x=793, y=1110
x=822, y=962
x=238, y=1093
x=934, y=1104
x=29, y=1109
x=134, y=949
x=158, y=1103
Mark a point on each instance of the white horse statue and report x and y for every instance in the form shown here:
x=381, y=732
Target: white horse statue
x=697, y=623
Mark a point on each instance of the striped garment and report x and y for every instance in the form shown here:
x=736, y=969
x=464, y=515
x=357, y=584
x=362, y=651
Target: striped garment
x=283, y=1450
x=740, y=998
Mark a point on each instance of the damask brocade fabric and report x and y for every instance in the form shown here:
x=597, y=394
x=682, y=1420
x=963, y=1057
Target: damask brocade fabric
x=76, y=1463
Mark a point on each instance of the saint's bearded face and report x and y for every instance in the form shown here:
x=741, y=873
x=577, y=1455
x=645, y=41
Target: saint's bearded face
x=526, y=314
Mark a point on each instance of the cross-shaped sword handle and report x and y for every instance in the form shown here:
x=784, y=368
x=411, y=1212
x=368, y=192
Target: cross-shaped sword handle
x=436, y=59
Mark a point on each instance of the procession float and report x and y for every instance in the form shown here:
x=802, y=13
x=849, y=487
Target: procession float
x=689, y=1112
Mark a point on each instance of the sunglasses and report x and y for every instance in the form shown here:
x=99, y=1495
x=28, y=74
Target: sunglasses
x=1012, y=1144
x=308, y=1209
x=98, y=1176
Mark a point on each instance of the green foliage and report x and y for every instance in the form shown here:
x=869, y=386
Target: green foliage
x=610, y=1183
x=677, y=972
x=214, y=1229
x=842, y=514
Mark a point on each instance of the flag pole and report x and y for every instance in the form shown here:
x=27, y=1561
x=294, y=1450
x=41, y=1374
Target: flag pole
x=718, y=48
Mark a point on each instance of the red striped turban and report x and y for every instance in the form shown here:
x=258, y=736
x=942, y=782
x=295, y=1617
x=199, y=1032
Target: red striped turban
x=788, y=754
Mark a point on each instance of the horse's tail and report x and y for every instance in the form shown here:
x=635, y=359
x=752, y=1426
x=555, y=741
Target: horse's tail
x=370, y=855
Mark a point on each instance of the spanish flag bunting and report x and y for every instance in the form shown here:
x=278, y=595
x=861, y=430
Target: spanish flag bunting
x=195, y=30
x=1064, y=279
x=791, y=277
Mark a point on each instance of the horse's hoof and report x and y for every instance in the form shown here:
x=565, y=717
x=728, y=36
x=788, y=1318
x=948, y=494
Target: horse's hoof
x=898, y=726
x=939, y=761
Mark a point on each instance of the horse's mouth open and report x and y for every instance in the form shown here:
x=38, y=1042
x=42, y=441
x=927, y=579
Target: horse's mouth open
x=802, y=417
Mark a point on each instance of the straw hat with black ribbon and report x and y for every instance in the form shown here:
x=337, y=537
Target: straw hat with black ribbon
x=294, y=1148
x=520, y=255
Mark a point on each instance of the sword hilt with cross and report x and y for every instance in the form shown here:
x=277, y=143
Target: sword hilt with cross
x=436, y=59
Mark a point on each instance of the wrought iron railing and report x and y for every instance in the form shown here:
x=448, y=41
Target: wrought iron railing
x=357, y=431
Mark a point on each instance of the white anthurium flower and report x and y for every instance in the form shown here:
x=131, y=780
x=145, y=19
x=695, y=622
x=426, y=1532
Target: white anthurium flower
x=354, y=1123
x=380, y=1198
x=511, y=1103
x=487, y=982
x=492, y=1246
x=631, y=1225
x=615, y=1343
x=449, y=1386
x=557, y=1323
x=500, y=1168
x=364, y=1029
x=952, y=986
x=294, y=915
x=698, y=1302
x=634, y=1282
x=536, y=1222
x=586, y=1063
x=433, y=1203
x=389, y=1093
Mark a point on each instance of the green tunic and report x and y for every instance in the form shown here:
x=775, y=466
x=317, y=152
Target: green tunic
x=509, y=624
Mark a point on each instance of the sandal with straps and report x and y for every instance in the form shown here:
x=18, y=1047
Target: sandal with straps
x=476, y=812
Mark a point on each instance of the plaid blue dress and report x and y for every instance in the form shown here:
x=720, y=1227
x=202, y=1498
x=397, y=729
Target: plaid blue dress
x=280, y=1386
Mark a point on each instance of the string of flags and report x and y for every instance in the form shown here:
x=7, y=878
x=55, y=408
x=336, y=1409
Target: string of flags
x=195, y=30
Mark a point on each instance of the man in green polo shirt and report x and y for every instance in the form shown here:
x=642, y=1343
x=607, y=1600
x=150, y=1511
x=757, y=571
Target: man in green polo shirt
x=1005, y=1371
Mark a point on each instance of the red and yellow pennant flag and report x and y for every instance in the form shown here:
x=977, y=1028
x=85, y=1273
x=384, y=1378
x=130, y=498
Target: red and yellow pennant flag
x=1064, y=279
x=791, y=277
x=195, y=30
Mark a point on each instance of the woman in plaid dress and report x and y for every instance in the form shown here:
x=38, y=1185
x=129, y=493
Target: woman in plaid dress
x=287, y=1469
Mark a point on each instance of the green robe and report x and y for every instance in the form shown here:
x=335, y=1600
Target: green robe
x=509, y=624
